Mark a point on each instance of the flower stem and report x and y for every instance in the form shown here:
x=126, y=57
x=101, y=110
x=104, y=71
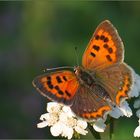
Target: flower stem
x=95, y=134
x=111, y=128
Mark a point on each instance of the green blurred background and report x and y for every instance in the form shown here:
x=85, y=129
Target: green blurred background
x=42, y=34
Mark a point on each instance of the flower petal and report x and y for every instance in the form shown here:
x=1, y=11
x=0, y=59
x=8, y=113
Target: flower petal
x=67, y=132
x=139, y=121
x=56, y=129
x=67, y=110
x=82, y=124
x=138, y=113
x=137, y=103
x=134, y=91
x=137, y=132
x=42, y=124
x=44, y=116
x=137, y=79
x=80, y=130
x=136, y=85
x=53, y=107
x=116, y=112
x=126, y=110
x=99, y=125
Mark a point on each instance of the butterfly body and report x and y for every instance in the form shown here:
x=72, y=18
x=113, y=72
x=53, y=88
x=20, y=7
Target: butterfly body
x=103, y=80
x=84, y=76
x=87, y=78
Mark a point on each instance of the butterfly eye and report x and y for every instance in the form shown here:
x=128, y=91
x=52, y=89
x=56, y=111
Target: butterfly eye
x=75, y=69
x=78, y=71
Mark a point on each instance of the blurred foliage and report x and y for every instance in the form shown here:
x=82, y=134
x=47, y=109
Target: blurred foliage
x=42, y=34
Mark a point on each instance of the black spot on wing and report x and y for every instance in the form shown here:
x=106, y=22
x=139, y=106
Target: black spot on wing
x=56, y=87
x=105, y=46
x=58, y=79
x=102, y=37
x=106, y=39
x=48, y=78
x=68, y=94
x=95, y=47
x=59, y=90
x=108, y=57
x=97, y=37
x=65, y=79
x=92, y=54
x=49, y=83
x=50, y=86
x=110, y=50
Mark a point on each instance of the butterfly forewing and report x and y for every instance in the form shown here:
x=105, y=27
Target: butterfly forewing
x=59, y=86
x=104, y=49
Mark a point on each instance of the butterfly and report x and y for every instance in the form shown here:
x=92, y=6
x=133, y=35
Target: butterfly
x=102, y=82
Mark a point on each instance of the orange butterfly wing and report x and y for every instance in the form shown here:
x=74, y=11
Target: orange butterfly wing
x=59, y=86
x=104, y=55
x=104, y=49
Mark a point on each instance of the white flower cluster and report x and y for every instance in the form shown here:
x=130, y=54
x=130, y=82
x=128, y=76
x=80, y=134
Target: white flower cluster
x=63, y=122
x=137, y=104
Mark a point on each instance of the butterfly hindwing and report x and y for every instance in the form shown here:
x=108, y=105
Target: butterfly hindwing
x=87, y=104
x=104, y=49
x=59, y=86
x=117, y=80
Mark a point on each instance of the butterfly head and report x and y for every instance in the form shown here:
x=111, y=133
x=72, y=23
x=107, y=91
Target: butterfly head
x=83, y=75
x=78, y=70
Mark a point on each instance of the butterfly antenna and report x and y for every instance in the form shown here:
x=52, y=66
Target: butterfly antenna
x=58, y=68
x=77, y=56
